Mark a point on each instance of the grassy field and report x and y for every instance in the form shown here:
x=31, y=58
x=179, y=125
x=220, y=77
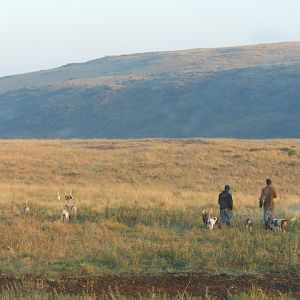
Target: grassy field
x=139, y=206
x=20, y=294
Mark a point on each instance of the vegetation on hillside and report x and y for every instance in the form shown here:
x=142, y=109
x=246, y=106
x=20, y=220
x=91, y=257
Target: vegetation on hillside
x=241, y=92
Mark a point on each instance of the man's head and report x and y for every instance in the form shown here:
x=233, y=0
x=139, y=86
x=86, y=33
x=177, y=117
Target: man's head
x=268, y=181
x=227, y=188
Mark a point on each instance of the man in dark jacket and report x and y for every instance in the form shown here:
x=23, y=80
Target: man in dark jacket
x=226, y=205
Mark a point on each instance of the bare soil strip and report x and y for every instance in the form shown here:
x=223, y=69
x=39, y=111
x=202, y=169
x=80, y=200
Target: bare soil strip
x=171, y=284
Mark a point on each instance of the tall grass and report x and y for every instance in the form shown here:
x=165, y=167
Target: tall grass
x=21, y=293
x=139, y=206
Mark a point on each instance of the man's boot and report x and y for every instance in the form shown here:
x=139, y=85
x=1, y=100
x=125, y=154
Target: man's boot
x=266, y=225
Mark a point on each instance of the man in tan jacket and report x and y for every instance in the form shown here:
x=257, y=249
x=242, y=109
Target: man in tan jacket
x=268, y=194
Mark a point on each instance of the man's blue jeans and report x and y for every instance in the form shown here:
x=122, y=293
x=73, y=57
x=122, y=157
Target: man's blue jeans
x=225, y=216
x=268, y=214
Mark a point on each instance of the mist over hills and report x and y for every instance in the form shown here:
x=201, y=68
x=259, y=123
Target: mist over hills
x=241, y=92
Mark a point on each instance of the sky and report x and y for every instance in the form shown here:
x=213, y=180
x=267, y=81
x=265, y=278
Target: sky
x=42, y=34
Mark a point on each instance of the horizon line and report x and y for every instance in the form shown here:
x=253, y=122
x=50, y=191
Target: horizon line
x=151, y=52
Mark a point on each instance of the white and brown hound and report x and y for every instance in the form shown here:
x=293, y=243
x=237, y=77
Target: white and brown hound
x=248, y=223
x=26, y=208
x=71, y=209
x=64, y=215
x=279, y=224
x=68, y=197
x=209, y=221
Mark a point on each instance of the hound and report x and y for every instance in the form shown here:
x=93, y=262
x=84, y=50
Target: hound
x=248, y=224
x=279, y=224
x=68, y=197
x=64, y=215
x=71, y=209
x=209, y=221
x=26, y=208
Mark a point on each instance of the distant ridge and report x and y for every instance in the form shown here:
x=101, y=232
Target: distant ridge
x=240, y=92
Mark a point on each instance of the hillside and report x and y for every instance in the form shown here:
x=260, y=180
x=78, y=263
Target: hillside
x=242, y=92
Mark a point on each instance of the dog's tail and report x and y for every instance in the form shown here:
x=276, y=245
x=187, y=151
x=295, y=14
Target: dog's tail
x=292, y=220
x=205, y=211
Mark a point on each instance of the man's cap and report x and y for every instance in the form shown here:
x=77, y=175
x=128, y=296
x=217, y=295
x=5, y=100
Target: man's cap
x=227, y=187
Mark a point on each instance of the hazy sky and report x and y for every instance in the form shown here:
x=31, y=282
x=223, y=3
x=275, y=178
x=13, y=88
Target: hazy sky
x=42, y=34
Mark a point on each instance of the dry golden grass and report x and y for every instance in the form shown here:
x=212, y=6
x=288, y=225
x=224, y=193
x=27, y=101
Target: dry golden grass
x=173, y=172
x=20, y=293
x=140, y=204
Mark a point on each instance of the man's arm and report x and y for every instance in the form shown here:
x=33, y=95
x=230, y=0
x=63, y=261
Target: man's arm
x=230, y=202
x=262, y=198
x=274, y=192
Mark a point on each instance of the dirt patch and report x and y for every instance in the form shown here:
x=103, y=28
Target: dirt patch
x=171, y=284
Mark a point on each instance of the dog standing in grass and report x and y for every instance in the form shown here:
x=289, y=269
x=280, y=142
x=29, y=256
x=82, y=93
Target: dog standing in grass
x=279, y=224
x=248, y=224
x=26, y=208
x=64, y=215
x=209, y=221
x=71, y=207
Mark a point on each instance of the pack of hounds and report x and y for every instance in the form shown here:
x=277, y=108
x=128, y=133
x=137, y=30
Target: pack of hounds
x=68, y=211
x=211, y=222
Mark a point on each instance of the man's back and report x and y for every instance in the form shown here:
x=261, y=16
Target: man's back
x=225, y=200
x=267, y=196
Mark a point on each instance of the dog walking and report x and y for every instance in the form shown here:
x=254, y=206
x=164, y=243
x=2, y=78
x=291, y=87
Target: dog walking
x=226, y=206
x=267, y=202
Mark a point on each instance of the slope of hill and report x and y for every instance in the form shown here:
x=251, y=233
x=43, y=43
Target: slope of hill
x=242, y=92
